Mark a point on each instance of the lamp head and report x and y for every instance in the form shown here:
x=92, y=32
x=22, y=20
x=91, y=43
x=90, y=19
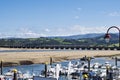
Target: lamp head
x=107, y=37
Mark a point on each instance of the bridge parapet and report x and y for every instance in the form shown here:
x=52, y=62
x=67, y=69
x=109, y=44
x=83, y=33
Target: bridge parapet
x=66, y=47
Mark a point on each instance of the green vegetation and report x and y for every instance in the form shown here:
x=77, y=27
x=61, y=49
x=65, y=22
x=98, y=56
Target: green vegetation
x=36, y=42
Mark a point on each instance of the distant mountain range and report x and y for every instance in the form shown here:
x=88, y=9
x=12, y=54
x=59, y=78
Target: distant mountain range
x=83, y=40
x=79, y=36
x=91, y=35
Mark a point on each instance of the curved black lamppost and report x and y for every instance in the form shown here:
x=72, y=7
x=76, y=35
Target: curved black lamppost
x=107, y=35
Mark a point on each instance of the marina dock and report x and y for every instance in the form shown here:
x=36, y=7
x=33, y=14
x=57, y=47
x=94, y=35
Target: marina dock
x=77, y=70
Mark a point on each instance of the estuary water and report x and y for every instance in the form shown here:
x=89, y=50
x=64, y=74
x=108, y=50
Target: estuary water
x=37, y=68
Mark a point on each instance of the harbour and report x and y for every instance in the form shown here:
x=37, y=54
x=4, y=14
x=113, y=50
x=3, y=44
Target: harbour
x=36, y=69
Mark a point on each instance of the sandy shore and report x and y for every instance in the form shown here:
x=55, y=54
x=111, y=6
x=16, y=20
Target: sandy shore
x=21, y=58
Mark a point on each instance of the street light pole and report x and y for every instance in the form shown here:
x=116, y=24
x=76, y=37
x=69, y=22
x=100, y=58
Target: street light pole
x=107, y=35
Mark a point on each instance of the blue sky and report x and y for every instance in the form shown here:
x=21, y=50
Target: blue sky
x=36, y=18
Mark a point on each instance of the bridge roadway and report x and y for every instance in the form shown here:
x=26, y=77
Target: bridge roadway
x=70, y=47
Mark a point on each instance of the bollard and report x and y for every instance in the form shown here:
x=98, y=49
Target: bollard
x=51, y=61
x=111, y=74
x=46, y=69
x=85, y=58
x=15, y=74
x=116, y=61
x=88, y=64
x=1, y=67
x=107, y=72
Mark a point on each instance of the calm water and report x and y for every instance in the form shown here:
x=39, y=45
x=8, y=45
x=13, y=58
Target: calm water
x=37, y=68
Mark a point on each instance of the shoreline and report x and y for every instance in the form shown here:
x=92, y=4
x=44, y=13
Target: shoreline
x=27, y=58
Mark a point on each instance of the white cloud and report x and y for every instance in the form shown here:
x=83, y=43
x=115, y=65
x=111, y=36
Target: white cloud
x=114, y=14
x=27, y=33
x=22, y=33
x=5, y=35
x=73, y=30
x=59, y=32
x=77, y=17
x=79, y=9
x=77, y=13
x=47, y=30
x=78, y=29
x=84, y=30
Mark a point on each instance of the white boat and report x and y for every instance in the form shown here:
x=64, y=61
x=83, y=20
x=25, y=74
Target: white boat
x=2, y=77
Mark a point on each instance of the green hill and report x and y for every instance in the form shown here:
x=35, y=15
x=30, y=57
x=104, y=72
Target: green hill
x=36, y=42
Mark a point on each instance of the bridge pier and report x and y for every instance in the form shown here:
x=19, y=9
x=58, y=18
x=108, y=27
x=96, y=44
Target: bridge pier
x=62, y=47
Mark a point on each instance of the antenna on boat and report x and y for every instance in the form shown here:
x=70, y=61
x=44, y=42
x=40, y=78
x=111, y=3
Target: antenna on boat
x=46, y=69
x=51, y=60
x=88, y=64
x=1, y=67
x=57, y=70
x=69, y=67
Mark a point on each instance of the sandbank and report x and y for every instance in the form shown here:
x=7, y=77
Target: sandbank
x=24, y=58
